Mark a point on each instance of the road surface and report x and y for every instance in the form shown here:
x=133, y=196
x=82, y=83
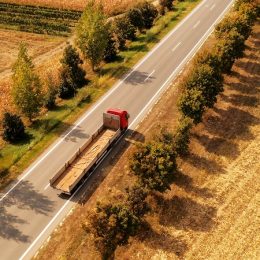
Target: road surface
x=30, y=209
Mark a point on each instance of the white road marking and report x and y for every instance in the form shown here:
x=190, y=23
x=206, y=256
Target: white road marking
x=212, y=7
x=174, y=49
x=195, y=48
x=149, y=75
x=196, y=24
x=104, y=98
x=47, y=186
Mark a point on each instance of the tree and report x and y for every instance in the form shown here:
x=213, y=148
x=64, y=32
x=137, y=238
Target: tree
x=206, y=80
x=192, y=104
x=67, y=88
x=136, y=197
x=136, y=19
x=72, y=59
x=124, y=30
x=13, y=127
x=93, y=34
x=166, y=4
x=111, y=50
x=51, y=91
x=111, y=225
x=181, y=138
x=149, y=13
x=154, y=164
x=27, y=88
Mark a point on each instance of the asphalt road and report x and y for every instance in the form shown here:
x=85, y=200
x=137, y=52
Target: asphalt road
x=30, y=209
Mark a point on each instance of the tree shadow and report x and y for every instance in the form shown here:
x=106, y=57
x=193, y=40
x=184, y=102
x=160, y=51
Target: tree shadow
x=26, y=139
x=218, y=145
x=138, y=77
x=202, y=163
x=76, y=133
x=24, y=197
x=185, y=182
x=138, y=48
x=243, y=88
x=241, y=100
x=238, y=126
x=183, y=213
x=162, y=241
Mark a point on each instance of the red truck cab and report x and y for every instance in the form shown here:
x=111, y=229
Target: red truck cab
x=124, y=116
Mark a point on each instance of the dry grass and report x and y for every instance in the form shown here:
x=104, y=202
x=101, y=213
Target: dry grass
x=110, y=6
x=212, y=210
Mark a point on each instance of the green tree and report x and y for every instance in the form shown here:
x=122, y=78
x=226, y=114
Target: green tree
x=111, y=49
x=13, y=127
x=149, y=13
x=124, y=30
x=72, y=60
x=51, y=91
x=93, y=34
x=27, y=88
x=154, y=164
x=112, y=225
x=192, y=104
x=136, y=19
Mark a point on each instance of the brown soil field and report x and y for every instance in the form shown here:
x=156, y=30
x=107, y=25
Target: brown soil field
x=212, y=209
x=110, y=6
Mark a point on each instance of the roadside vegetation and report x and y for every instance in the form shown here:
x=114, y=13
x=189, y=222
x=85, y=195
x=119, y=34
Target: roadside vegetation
x=57, y=111
x=158, y=163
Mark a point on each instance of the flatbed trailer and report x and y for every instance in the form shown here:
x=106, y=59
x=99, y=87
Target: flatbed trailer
x=69, y=176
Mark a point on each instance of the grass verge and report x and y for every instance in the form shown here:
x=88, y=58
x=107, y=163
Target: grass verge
x=15, y=158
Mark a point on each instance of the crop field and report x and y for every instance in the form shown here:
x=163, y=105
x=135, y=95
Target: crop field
x=212, y=209
x=112, y=7
x=37, y=19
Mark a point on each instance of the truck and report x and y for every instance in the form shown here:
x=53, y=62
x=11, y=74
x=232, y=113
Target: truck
x=74, y=172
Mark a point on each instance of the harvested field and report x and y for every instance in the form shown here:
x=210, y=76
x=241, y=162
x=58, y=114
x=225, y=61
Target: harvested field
x=212, y=210
x=112, y=7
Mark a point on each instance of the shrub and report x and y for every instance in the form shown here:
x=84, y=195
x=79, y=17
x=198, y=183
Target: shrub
x=13, y=127
x=111, y=225
x=149, y=13
x=111, y=50
x=192, y=104
x=154, y=164
x=51, y=92
x=67, y=88
x=166, y=4
x=72, y=59
x=136, y=19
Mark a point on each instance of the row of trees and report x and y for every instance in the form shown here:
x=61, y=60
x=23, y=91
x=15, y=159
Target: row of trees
x=154, y=162
x=97, y=40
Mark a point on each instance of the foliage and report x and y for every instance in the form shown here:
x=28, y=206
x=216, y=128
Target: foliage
x=93, y=34
x=166, y=4
x=229, y=49
x=149, y=13
x=181, y=138
x=124, y=30
x=13, y=127
x=136, y=197
x=136, y=19
x=51, y=92
x=111, y=225
x=192, y=104
x=111, y=49
x=154, y=164
x=67, y=88
x=27, y=89
x=72, y=59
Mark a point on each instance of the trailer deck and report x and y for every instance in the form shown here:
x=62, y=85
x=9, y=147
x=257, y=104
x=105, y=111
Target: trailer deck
x=66, y=180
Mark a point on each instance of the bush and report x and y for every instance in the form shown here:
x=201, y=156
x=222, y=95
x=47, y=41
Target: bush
x=67, y=88
x=149, y=13
x=136, y=19
x=111, y=50
x=182, y=136
x=124, y=30
x=51, y=92
x=154, y=164
x=72, y=59
x=13, y=128
x=192, y=104
x=166, y=4
x=111, y=225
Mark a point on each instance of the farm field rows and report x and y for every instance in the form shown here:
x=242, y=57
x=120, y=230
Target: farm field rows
x=212, y=210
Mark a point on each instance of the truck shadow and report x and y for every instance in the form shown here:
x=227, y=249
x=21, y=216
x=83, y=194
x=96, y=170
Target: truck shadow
x=97, y=176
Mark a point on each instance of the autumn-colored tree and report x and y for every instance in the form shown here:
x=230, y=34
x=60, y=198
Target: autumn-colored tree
x=27, y=88
x=93, y=34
